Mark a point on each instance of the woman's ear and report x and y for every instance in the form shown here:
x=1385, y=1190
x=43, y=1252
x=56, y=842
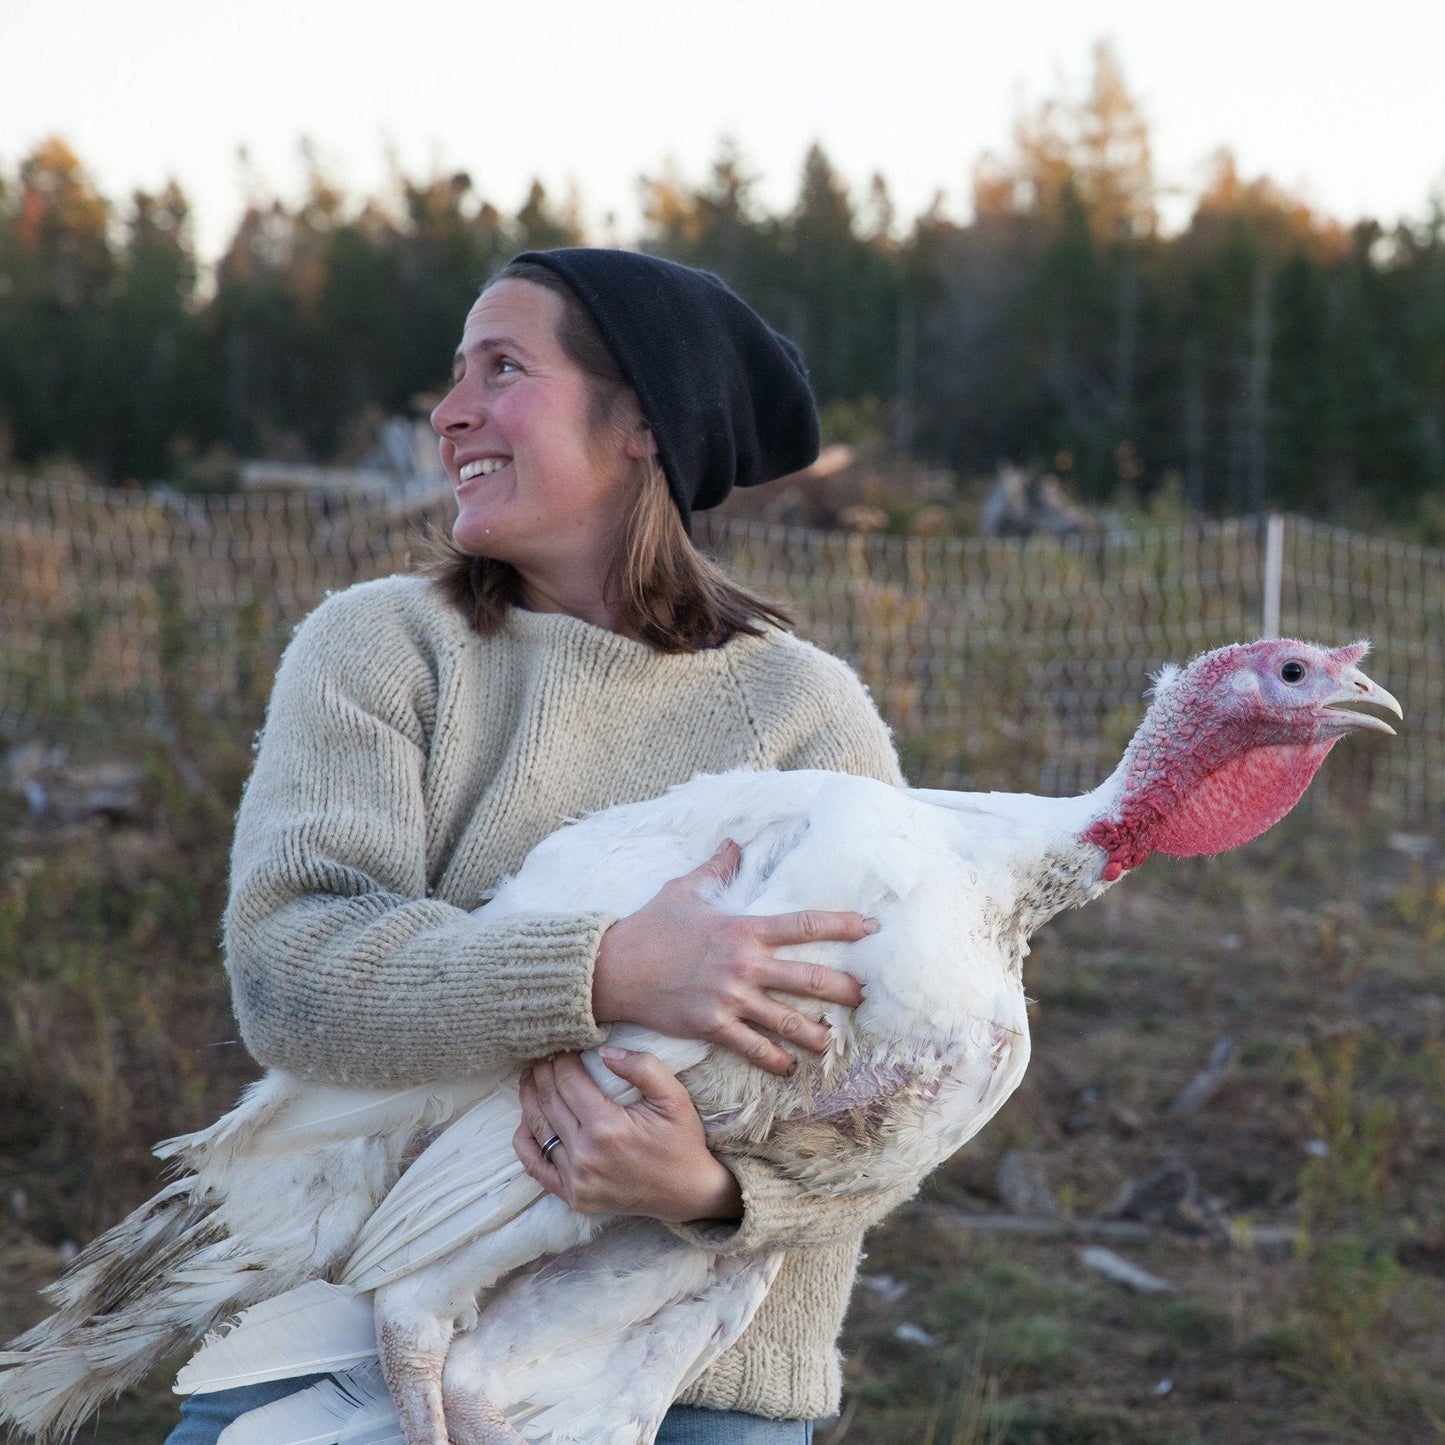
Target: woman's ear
x=641, y=442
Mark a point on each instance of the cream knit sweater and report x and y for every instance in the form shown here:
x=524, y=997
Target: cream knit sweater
x=407, y=766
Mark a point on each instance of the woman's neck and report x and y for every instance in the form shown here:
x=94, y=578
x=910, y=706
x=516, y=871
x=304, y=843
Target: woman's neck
x=580, y=594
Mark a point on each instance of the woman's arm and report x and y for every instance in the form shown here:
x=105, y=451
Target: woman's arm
x=342, y=967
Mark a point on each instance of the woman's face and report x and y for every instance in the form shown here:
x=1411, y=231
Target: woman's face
x=537, y=484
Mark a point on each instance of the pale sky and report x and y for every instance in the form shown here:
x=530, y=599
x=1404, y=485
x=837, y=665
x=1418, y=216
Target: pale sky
x=1341, y=103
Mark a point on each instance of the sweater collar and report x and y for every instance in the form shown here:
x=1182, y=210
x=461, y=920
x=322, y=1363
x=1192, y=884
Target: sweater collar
x=561, y=629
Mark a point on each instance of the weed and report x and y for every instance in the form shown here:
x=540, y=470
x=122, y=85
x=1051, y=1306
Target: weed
x=1420, y=904
x=978, y=1417
x=1033, y=1350
x=1350, y=1269
x=1286, y=1342
x=1183, y=1318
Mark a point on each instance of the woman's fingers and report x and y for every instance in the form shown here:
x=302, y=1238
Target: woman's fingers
x=756, y=1048
x=554, y=1104
x=557, y=1116
x=814, y=925
x=532, y=1133
x=657, y=1084
x=796, y=1028
x=811, y=980
x=576, y=1091
x=535, y=1123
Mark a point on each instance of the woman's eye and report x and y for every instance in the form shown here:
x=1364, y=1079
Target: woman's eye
x=1292, y=672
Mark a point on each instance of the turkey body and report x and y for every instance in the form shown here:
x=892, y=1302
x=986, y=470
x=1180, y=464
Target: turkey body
x=957, y=883
x=943, y=1014
x=417, y=1195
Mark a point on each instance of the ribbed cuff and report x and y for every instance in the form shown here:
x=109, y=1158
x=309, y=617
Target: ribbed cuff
x=537, y=986
x=775, y=1214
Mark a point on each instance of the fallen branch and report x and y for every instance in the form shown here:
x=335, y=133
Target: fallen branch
x=1268, y=1240
x=1206, y=1083
x=1119, y=1270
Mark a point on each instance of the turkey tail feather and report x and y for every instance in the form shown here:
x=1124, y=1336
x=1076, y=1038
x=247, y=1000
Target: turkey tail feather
x=123, y=1305
x=309, y=1330
x=352, y=1409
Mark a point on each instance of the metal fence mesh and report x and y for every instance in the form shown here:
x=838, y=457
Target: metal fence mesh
x=998, y=663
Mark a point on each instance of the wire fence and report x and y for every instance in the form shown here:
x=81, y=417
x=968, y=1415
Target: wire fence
x=998, y=663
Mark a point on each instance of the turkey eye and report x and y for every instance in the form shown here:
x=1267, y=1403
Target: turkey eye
x=1292, y=671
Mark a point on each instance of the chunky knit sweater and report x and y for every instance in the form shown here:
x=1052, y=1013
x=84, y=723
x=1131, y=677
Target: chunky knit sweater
x=407, y=765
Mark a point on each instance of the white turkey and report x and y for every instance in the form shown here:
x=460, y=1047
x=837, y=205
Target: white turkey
x=363, y=1215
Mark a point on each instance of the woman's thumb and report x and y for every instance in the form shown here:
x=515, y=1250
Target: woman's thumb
x=645, y=1072
x=723, y=864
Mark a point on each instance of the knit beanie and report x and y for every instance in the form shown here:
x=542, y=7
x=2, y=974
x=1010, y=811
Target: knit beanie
x=727, y=398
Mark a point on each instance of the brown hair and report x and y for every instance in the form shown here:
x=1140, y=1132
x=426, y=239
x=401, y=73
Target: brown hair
x=664, y=590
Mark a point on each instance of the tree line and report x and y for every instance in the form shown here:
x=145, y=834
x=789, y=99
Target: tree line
x=1261, y=355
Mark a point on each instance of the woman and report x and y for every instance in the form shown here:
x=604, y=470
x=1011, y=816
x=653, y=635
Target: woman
x=575, y=652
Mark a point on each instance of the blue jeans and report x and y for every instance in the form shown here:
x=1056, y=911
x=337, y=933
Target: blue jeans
x=683, y=1425
x=203, y=1417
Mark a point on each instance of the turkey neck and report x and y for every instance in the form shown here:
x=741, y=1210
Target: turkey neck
x=1185, y=788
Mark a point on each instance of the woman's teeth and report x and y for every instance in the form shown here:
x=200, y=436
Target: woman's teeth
x=483, y=468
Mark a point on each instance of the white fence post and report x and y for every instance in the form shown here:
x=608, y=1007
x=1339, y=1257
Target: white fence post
x=1273, y=572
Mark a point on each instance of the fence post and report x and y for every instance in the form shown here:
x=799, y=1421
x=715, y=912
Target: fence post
x=1273, y=572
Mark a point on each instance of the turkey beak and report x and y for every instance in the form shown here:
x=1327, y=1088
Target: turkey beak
x=1355, y=687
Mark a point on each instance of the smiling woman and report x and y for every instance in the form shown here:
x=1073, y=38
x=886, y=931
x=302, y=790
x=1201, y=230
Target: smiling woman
x=573, y=650
x=540, y=485
x=639, y=561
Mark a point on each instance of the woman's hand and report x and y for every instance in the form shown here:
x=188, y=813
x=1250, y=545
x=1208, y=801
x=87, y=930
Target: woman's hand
x=650, y=1158
x=684, y=968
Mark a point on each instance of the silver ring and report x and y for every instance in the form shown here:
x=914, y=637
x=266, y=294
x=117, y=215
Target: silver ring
x=553, y=1143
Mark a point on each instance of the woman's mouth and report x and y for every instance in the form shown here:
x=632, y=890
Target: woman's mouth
x=484, y=467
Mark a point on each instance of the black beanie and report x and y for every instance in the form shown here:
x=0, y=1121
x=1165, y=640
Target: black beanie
x=727, y=398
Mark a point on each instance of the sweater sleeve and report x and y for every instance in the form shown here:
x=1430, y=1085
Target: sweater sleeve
x=342, y=968
x=779, y=1213
x=848, y=735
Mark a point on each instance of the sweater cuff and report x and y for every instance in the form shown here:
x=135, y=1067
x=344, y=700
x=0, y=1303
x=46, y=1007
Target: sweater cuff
x=544, y=974
x=776, y=1214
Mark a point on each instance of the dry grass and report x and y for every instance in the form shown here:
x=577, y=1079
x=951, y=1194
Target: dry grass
x=1307, y=948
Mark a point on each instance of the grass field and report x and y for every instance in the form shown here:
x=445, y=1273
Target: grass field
x=1305, y=1245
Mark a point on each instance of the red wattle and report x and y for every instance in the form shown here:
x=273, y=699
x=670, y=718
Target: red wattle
x=1238, y=800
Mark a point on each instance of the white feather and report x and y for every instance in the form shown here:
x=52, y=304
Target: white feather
x=353, y=1409
x=309, y=1330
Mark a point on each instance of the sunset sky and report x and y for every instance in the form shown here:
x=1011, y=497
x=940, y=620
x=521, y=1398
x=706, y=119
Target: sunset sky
x=1343, y=106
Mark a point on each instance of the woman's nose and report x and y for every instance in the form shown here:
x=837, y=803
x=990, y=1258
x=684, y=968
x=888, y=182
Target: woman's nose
x=451, y=415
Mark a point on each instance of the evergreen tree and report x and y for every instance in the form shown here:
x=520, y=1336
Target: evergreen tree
x=156, y=389
x=1266, y=355
x=59, y=269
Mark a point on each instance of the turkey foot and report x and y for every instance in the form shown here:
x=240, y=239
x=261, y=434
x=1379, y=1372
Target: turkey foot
x=473, y=1420
x=413, y=1371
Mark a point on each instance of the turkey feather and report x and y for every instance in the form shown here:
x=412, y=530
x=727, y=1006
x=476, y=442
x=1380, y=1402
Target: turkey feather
x=319, y=1326
x=354, y=1408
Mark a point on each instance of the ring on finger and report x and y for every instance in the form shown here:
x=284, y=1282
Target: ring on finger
x=555, y=1142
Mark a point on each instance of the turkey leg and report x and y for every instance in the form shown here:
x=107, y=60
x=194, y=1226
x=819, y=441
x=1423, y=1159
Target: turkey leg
x=413, y=1371
x=472, y=1419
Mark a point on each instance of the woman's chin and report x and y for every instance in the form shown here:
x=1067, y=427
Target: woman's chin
x=475, y=536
